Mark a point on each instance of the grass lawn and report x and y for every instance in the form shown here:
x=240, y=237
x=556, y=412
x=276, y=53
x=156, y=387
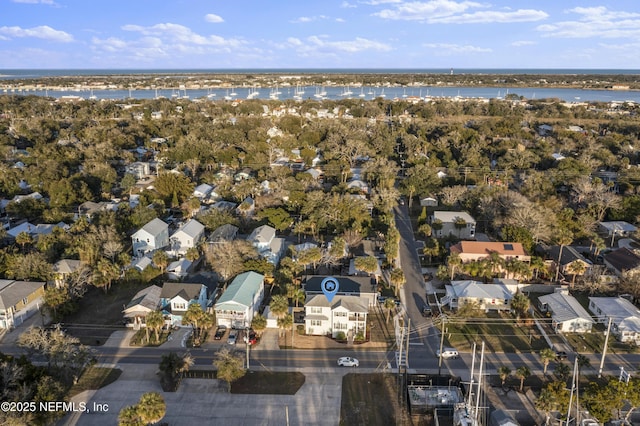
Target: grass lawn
x=380, y=330
x=269, y=383
x=99, y=313
x=140, y=338
x=95, y=378
x=498, y=335
x=369, y=399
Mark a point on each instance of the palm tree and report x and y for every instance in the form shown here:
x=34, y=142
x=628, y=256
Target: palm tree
x=258, y=323
x=154, y=321
x=577, y=267
x=389, y=305
x=459, y=223
x=397, y=279
x=547, y=355
x=563, y=238
x=583, y=362
x=129, y=416
x=285, y=323
x=229, y=365
x=161, y=260
x=522, y=373
x=151, y=408
x=279, y=305
x=537, y=264
x=193, y=316
x=504, y=372
x=520, y=304
x=193, y=254
x=453, y=261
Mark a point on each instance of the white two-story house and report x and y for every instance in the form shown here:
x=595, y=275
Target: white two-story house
x=153, y=236
x=458, y=224
x=347, y=314
x=187, y=236
x=624, y=315
x=240, y=301
x=269, y=246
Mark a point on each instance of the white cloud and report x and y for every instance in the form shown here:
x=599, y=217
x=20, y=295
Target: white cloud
x=320, y=45
x=347, y=5
x=447, y=49
x=44, y=32
x=454, y=12
x=213, y=18
x=523, y=43
x=307, y=19
x=595, y=22
x=176, y=33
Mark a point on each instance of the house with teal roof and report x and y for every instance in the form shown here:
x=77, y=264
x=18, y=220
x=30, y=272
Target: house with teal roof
x=240, y=301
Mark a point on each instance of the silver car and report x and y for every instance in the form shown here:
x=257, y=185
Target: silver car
x=233, y=336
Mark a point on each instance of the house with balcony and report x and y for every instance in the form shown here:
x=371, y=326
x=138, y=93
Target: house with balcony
x=488, y=297
x=186, y=237
x=567, y=314
x=175, y=299
x=624, y=316
x=19, y=300
x=153, y=236
x=365, y=288
x=347, y=314
x=264, y=239
x=239, y=303
x=145, y=301
x=458, y=224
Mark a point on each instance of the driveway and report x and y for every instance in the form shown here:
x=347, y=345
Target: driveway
x=206, y=401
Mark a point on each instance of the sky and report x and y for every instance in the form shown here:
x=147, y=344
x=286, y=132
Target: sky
x=210, y=34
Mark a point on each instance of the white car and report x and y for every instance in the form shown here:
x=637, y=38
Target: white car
x=233, y=336
x=448, y=353
x=346, y=361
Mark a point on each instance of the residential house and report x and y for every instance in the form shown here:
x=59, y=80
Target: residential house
x=222, y=233
x=151, y=237
x=617, y=228
x=175, y=299
x=346, y=314
x=63, y=269
x=202, y=191
x=141, y=263
x=472, y=251
x=568, y=257
x=89, y=208
x=269, y=246
x=621, y=260
x=466, y=229
x=35, y=230
x=567, y=314
x=179, y=269
x=19, y=300
x=139, y=169
x=26, y=227
x=145, y=301
x=624, y=317
x=246, y=208
x=186, y=237
x=224, y=205
x=241, y=300
x=358, y=185
x=363, y=287
x=489, y=297
x=428, y=202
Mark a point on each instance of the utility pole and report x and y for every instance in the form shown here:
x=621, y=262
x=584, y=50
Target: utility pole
x=406, y=350
x=604, y=349
x=247, y=344
x=442, y=331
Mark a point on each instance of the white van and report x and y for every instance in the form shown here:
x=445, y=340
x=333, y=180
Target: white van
x=448, y=353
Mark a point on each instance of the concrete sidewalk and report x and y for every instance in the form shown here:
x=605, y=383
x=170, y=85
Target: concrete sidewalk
x=206, y=401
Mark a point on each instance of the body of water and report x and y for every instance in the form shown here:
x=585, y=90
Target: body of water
x=344, y=92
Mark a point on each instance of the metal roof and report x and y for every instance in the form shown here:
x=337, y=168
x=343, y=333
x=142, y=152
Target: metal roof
x=242, y=289
x=565, y=307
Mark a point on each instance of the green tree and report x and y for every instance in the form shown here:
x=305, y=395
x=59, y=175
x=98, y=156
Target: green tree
x=174, y=187
x=453, y=261
x=522, y=373
x=504, y=372
x=553, y=397
x=562, y=371
x=396, y=276
x=520, y=304
x=368, y=264
x=154, y=321
x=277, y=217
x=279, y=305
x=161, y=260
x=230, y=366
x=106, y=272
x=389, y=305
x=546, y=356
x=151, y=408
x=258, y=323
x=129, y=416
x=563, y=238
x=459, y=223
x=194, y=316
x=285, y=323
x=172, y=367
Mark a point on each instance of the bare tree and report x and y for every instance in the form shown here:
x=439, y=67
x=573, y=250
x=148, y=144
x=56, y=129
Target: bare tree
x=227, y=257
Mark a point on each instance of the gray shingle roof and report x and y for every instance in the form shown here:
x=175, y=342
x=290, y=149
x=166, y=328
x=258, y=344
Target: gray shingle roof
x=66, y=266
x=155, y=226
x=262, y=234
x=11, y=292
x=474, y=289
x=350, y=303
x=188, y=291
x=565, y=307
x=148, y=297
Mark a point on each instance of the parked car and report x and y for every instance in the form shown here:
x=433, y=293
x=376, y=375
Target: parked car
x=561, y=355
x=347, y=361
x=426, y=311
x=448, y=353
x=252, y=338
x=233, y=336
x=381, y=299
x=220, y=332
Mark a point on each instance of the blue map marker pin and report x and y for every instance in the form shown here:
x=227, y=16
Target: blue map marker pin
x=330, y=287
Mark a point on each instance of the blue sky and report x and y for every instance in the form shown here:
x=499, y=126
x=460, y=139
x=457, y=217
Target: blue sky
x=319, y=34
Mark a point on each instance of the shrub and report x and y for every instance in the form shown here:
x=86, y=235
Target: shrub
x=341, y=336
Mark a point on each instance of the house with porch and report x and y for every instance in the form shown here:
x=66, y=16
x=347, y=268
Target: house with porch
x=175, y=299
x=624, y=316
x=154, y=235
x=145, y=301
x=621, y=260
x=457, y=224
x=488, y=297
x=567, y=314
x=364, y=288
x=347, y=314
x=19, y=300
x=567, y=258
x=239, y=303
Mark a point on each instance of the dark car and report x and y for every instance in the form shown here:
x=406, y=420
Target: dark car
x=426, y=311
x=561, y=355
x=220, y=333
